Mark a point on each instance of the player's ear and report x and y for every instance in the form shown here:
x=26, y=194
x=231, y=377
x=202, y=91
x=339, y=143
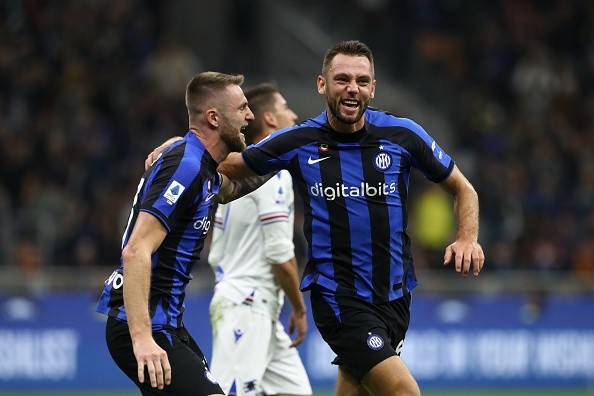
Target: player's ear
x=212, y=117
x=321, y=85
x=269, y=119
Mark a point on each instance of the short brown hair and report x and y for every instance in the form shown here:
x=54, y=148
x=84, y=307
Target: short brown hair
x=350, y=47
x=203, y=86
x=260, y=99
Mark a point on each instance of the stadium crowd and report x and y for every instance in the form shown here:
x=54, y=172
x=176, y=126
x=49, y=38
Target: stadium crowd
x=81, y=104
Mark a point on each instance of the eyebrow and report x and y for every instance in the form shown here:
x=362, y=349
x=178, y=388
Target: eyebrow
x=352, y=76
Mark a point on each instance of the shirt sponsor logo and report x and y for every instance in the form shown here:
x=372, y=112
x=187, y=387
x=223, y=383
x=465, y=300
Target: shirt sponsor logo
x=116, y=279
x=173, y=192
x=202, y=224
x=362, y=190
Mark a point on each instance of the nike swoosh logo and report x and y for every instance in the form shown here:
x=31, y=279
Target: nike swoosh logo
x=210, y=196
x=315, y=161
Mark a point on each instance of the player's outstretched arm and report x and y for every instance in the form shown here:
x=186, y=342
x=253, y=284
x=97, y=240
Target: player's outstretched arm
x=466, y=251
x=236, y=188
x=238, y=179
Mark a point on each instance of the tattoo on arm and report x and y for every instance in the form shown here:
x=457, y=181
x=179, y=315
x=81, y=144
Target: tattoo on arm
x=236, y=188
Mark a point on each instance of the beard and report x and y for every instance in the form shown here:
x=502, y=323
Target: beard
x=233, y=138
x=334, y=106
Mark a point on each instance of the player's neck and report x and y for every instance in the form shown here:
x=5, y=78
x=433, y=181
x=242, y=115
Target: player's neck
x=344, y=127
x=215, y=146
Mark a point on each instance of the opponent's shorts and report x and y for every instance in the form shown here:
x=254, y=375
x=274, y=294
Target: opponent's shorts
x=362, y=334
x=189, y=371
x=251, y=352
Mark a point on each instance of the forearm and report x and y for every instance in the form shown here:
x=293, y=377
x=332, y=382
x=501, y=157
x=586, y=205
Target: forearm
x=466, y=209
x=236, y=188
x=137, y=270
x=287, y=278
x=466, y=205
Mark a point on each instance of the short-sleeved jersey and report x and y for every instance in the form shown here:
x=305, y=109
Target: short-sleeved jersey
x=179, y=190
x=354, y=189
x=250, y=234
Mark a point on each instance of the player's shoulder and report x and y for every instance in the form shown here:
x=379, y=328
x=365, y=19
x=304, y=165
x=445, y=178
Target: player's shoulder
x=385, y=118
x=190, y=160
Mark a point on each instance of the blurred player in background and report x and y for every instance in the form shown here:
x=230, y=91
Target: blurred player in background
x=252, y=254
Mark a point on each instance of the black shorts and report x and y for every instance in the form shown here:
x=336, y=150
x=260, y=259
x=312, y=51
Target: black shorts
x=189, y=370
x=362, y=334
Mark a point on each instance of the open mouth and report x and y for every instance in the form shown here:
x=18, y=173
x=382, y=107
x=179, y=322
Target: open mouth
x=350, y=103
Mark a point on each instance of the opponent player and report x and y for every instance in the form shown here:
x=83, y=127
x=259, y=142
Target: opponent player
x=252, y=254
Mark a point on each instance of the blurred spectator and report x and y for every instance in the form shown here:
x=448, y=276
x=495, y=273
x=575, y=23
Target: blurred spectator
x=433, y=223
x=170, y=67
x=77, y=119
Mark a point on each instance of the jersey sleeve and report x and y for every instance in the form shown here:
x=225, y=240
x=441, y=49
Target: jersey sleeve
x=171, y=187
x=428, y=156
x=275, y=204
x=272, y=153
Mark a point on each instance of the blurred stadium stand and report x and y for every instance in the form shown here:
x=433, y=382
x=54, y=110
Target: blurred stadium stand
x=88, y=88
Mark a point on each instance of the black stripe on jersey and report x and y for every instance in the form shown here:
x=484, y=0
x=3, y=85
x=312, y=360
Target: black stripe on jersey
x=338, y=219
x=405, y=243
x=379, y=220
x=301, y=189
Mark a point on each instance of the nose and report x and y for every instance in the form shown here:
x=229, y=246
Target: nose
x=249, y=115
x=352, y=87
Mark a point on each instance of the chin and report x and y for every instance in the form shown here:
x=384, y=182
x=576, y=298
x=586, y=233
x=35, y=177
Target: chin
x=238, y=148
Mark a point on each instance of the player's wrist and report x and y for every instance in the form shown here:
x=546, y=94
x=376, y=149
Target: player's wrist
x=300, y=312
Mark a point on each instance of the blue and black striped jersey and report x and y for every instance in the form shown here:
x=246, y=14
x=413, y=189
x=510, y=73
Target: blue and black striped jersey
x=354, y=189
x=179, y=190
